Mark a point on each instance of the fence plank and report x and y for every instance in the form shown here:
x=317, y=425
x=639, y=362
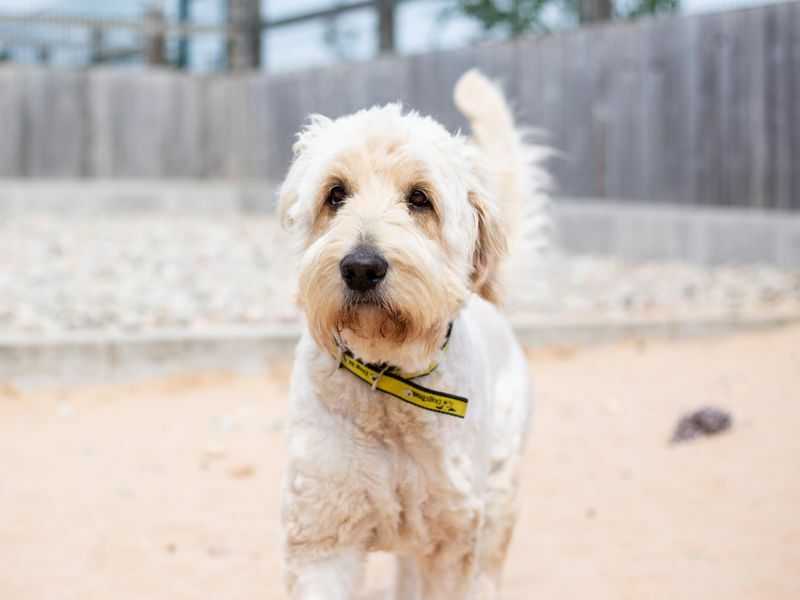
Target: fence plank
x=12, y=126
x=225, y=122
x=665, y=106
x=56, y=132
x=618, y=110
x=425, y=93
x=500, y=63
x=450, y=67
x=387, y=81
x=706, y=102
x=552, y=100
x=101, y=117
x=329, y=89
x=291, y=103
x=259, y=142
x=742, y=114
x=184, y=144
x=779, y=109
x=575, y=108
x=528, y=103
x=793, y=23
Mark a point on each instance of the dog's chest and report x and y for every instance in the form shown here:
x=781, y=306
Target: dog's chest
x=419, y=471
x=424, y=496
x=423, y=478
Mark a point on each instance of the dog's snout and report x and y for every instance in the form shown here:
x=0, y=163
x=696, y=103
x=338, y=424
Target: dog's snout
x=363, y=269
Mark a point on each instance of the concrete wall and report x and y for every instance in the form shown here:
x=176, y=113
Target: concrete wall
x=698, y=109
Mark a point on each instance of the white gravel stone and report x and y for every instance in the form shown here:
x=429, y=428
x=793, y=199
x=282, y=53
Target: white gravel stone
x=141, y=274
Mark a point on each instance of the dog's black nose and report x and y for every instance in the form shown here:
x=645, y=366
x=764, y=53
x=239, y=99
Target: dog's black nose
x=363, y=269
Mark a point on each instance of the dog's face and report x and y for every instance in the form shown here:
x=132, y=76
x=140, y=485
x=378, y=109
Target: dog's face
x=396, y=227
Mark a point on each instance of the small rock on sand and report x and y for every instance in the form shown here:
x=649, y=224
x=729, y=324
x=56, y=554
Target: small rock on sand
x=703, y=422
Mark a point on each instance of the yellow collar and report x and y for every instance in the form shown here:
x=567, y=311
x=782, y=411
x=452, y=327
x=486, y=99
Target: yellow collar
x=394, y=382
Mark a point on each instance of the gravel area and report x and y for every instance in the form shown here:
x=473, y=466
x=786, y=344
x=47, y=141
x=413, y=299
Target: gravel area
x=149, y=273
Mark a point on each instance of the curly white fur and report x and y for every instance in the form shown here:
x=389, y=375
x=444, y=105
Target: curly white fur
x=367, y=472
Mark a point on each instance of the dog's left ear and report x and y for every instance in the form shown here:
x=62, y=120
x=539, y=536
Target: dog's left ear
x=491, y=246
x=288, y=193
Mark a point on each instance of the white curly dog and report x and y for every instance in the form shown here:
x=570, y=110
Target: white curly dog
x=410, y=395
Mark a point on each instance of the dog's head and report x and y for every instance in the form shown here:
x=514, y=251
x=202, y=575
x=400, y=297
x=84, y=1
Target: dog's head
x=396, y=229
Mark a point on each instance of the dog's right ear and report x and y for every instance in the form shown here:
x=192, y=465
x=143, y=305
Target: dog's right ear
x=288, y=210
x=491, y=246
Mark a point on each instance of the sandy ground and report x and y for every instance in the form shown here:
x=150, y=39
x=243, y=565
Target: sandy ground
x=169, y=490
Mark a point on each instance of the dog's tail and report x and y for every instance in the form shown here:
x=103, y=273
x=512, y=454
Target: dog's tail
x=517, y=177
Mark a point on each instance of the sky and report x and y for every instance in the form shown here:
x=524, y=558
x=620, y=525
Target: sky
x=419, y=28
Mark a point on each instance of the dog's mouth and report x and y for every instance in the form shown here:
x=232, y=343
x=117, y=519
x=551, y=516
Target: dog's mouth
x=370, y=315
x=355, y=300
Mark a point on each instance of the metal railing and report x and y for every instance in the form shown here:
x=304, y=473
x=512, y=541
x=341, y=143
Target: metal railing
x=150, y=33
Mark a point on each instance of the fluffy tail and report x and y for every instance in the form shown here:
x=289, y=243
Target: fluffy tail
x=515, y=176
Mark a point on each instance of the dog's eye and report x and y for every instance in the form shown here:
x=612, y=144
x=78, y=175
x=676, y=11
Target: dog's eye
x=418, y=199
x=336, y=197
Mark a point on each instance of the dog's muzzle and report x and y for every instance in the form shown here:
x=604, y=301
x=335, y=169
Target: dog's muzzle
x=363, y=268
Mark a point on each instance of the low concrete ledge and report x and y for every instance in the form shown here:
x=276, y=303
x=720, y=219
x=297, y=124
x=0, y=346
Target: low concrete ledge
x=639, y=231
x=534, y=335
x=96, y=359
x=103, y=359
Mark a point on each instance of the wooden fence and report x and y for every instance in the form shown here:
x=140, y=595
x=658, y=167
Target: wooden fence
x=698, y=109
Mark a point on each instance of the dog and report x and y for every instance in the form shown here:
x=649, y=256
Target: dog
x=410, y=397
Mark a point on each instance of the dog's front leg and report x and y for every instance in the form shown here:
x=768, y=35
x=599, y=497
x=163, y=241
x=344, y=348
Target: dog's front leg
x=334, y=577
x=406, y=579
x=447, y=579
x=450, y=570
x=328, y=517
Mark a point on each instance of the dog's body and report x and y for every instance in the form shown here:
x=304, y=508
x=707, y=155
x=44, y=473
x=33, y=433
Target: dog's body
x=388, y=270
